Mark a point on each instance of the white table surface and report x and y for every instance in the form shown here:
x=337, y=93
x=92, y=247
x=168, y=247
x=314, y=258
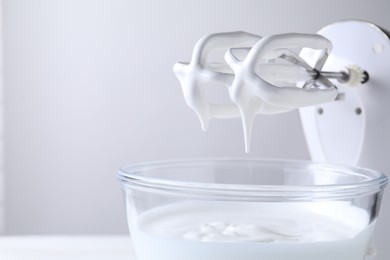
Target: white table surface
x=66, y=247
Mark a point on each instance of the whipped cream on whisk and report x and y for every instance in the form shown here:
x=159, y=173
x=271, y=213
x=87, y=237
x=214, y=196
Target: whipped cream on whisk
x=271, y=77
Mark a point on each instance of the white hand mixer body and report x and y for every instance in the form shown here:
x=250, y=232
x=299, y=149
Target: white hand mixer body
x=271, y=78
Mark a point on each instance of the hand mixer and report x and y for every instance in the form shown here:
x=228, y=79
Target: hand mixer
x=339, y=79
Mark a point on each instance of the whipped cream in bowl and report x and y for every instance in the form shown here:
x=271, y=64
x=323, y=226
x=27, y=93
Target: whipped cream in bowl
x=233, y=208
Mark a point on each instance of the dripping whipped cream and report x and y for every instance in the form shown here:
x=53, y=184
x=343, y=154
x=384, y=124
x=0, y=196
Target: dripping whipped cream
x=270, y=78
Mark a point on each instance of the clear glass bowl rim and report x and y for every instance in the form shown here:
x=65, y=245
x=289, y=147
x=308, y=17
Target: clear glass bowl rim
x=130, y=176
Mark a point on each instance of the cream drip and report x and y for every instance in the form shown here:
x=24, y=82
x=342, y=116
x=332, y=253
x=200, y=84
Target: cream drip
x=257, y=82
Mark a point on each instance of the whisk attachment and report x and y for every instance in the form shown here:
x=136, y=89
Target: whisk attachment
x=263, y=75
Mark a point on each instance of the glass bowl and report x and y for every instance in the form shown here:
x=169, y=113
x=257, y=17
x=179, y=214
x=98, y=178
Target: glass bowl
x=236, y=208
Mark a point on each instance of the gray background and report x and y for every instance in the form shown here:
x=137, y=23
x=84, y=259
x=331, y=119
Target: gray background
x=88, y=87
